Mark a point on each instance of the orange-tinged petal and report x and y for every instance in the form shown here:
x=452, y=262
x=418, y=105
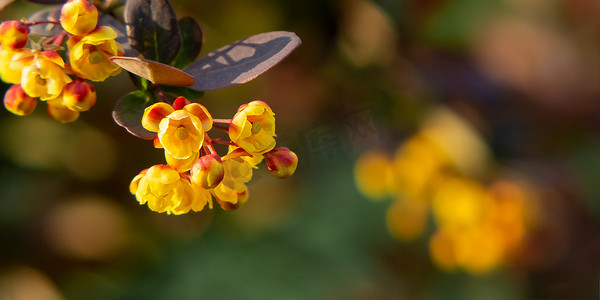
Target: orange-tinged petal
x=202, y=113
x=154, y=113
x=181, y=165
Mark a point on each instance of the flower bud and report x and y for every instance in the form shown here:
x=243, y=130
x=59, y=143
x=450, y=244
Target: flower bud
x=18, y=102
x=79, y=95
x=59, y=112
x=282, y=162
x=78, y=17
x=13, y=34
x=208, y=171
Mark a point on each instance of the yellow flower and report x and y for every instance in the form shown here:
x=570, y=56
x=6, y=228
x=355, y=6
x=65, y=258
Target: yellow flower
x=12, y=63
x=180, y=130
x=60, y=112
x=45, y=76
x=13, y=34
x=166, y=190
x=79, y=95
x=374, y=174
x=237, y=172
x=18, y=102
x=78, y=17
x=180, y=133
x=253, y=128
x=89, y=54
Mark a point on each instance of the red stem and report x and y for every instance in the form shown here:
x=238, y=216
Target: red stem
x=209, y=145
x=220, y=142
x=226, y=121
x=222, y=127
x=59, y=38
x=42, y=22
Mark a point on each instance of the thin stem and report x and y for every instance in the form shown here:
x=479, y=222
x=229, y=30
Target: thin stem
x=222, y=127
x=226, y=121
x=221, y=142
x=209, y=145
x=58, y=39
x=160, y=94
x=42, y=23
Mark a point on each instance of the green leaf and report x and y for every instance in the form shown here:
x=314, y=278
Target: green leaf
x=152, y=29
x=154, y=71
x=241, y=61
x=191, y=42
x=186, y=92
x=129, y=110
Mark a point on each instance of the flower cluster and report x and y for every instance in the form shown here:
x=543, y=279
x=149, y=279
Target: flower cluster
x=433, y=175
x=40, y=72
x=194, y=172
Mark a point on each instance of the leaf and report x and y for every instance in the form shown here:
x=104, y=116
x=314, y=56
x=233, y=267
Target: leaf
x=129, y=110
x=152, y=29
x=154, y=71
x=191, y=42
x=242, y=61
x=186, y=92
x=47, y=1
x=48, y=14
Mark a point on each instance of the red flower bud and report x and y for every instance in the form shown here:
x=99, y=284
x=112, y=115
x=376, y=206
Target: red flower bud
x=282, y=162
x=208, y=171
x=18, y=102
x=79, y=95
x=13, y=34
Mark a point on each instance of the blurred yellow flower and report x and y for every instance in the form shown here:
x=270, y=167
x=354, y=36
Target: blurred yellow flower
x=374, y=174
x=407, y=218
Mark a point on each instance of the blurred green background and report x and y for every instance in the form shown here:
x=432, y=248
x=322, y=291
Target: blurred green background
x=523, y=74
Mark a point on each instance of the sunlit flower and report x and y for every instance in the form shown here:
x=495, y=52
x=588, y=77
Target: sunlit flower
x=166, y=190
x=45, y=76
x=79, y=95
x=253, y=127
x=78, y=17
x=13, y=34
x=181, y=135
x=282, y=162
x=89, y=54
x=18, y=102
x=12, y=63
